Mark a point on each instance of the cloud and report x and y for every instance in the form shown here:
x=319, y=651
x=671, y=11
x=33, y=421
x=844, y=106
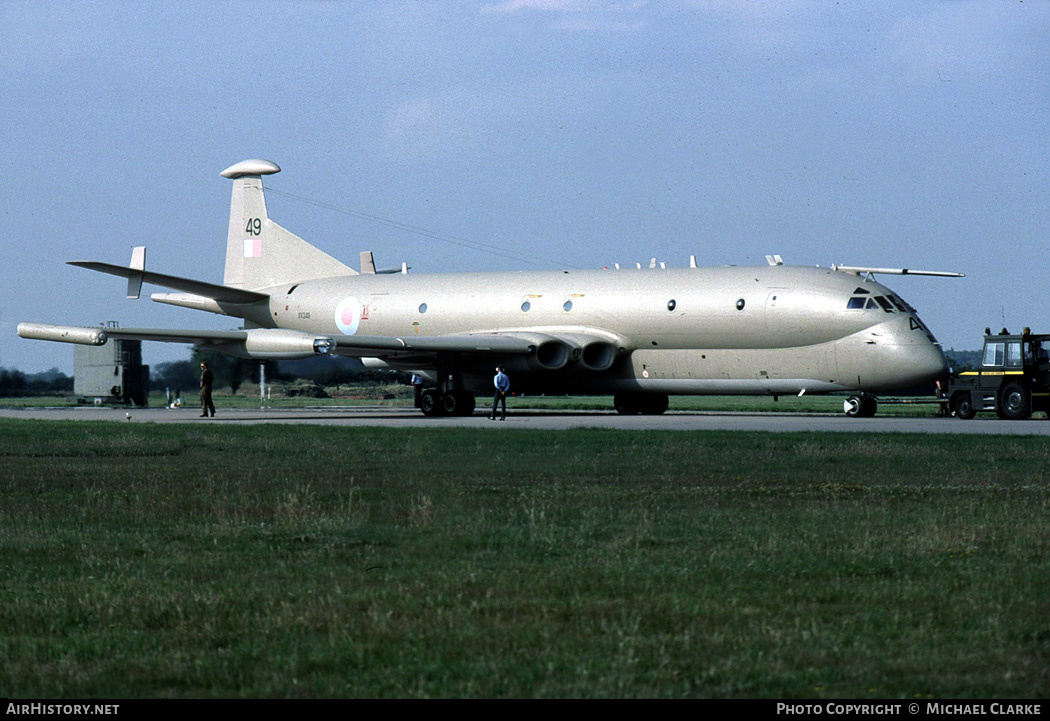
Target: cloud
x=511, y=7
x=577, y=15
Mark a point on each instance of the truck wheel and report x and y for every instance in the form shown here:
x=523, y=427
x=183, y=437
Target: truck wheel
x=1014, y=402
x=962, y=406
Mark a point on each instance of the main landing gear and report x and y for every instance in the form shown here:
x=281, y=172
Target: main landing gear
x=458, y=402
x=646, y=404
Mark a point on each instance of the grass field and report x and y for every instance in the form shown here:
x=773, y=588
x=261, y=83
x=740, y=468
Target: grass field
x=189, y=561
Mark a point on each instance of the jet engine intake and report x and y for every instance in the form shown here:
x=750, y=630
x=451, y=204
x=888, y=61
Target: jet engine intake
x=597, y=356
x=550, y=355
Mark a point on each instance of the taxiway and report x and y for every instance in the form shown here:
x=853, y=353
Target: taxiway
x=547, y=420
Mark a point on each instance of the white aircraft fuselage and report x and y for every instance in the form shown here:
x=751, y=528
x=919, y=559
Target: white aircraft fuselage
x=640, y=334
x=734, y=330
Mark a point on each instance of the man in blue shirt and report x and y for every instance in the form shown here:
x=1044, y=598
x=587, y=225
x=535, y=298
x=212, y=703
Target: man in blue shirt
x=502, y=384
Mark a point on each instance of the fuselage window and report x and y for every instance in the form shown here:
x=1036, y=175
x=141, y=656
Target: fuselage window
x=671, y=305
x=525, y=307
x=740, y=303
x=886, y=306
x=422, y=307
x=567, y=307
x=855, y=303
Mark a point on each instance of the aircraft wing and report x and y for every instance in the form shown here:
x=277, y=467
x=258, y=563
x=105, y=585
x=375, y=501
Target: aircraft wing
x=279, y=343
x=550, y=349
x=221, y=293
x=87, y=335
x=547, y=348
x=505, y=343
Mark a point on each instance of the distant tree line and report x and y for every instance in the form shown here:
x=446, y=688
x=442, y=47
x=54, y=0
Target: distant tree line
x=963, y=360
x=231, y=372
x=16, y=383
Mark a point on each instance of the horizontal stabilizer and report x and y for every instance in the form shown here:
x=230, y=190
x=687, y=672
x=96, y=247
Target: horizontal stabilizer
x=221, y=293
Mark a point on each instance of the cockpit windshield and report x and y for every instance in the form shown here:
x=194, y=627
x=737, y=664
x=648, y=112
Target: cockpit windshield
x=861, y=299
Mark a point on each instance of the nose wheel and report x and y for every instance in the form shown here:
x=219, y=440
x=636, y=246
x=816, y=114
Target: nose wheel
x=860, y=406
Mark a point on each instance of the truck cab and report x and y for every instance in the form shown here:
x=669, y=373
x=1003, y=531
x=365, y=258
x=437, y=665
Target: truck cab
x=1013, y=380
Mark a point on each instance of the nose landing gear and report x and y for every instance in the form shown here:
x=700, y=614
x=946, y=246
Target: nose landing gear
x=860, y=406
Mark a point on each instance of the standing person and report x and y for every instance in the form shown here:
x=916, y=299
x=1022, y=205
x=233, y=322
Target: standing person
x=502, y=384
x=207, y=379
x=417, y=387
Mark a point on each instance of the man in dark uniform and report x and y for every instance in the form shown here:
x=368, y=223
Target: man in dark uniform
x=207, y=379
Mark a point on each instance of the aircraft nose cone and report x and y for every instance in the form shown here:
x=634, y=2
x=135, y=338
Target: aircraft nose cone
x=926, y=362
x=893, y=356
x=915, y=359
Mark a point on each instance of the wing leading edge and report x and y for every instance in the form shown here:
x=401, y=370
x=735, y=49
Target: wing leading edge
x=279, y=343
x=543, y=350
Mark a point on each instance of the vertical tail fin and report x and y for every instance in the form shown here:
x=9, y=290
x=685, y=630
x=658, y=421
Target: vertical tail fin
x=260, y=253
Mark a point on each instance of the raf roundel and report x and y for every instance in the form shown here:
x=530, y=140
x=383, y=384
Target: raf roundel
x=348, y=315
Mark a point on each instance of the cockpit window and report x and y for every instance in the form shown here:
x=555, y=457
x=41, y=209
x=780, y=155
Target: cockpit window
x=907, y=306
x=897, y=302
x=1013, y=354
x=886, y=305
x=994, y=354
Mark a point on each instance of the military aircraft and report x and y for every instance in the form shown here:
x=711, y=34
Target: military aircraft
x=639, y=334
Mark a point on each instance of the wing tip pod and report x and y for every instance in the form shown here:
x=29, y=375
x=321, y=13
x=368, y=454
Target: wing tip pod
x=63, y=333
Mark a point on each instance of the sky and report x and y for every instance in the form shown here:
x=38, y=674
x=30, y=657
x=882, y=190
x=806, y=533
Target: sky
x=526, y=135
